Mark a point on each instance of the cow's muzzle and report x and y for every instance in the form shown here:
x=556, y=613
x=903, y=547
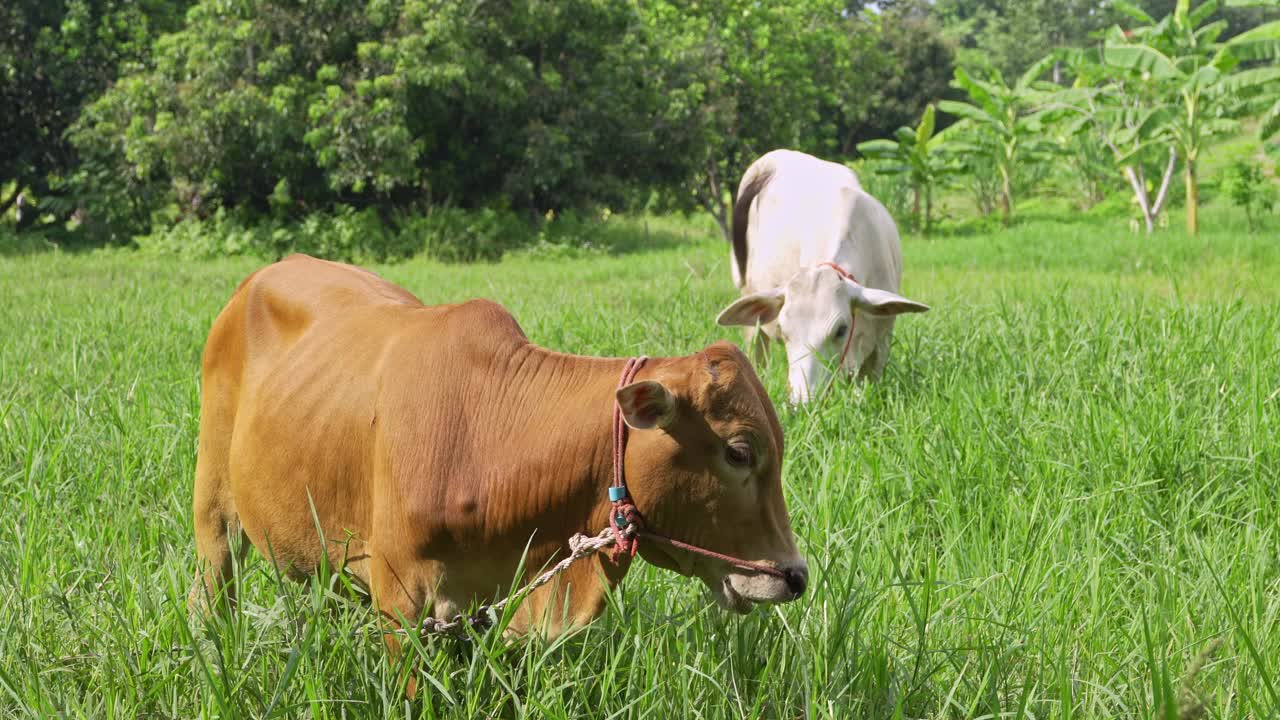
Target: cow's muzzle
x=739, y=591
x=797, y=579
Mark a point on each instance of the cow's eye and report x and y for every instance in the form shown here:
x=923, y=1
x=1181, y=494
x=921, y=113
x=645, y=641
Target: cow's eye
x=739, y=454
x=840, y=331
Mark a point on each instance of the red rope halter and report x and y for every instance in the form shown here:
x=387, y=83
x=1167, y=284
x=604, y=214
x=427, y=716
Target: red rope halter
x=625, y=514
x=853, y=318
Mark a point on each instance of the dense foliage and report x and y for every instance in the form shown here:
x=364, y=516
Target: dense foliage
x=272, y=109
x=137, y=119
x=915, y=154
x=1153, y=96
x=55, y=56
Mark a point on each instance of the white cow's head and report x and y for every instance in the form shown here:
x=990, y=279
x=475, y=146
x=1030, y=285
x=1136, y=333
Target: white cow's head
x=814, y=313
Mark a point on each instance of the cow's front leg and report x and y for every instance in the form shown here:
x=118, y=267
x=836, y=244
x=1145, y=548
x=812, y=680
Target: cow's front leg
x=393, y=594
x=219, y=543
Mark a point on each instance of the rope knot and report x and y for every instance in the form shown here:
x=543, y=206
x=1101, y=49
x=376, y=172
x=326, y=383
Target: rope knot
x=626, y=521
x=436, y=625
x=580, y=545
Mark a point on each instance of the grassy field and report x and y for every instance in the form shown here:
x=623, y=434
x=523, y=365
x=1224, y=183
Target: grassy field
x=1062, y=502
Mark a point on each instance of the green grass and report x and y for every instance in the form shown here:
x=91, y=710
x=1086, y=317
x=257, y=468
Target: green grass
x=1064, y=494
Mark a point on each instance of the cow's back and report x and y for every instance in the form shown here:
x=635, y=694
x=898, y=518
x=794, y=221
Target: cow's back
x=813, y=211
x=292, y=373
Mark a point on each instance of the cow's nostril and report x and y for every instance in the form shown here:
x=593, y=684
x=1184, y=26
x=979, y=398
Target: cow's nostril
x=797, y=580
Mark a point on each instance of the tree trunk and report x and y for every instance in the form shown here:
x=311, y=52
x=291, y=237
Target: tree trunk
x=721, y=213
x=1006, y=195
x=1193, y=198
x=1140, y=192
x=6, y=204
x=915, y=205
x=25, y=217
x=715, y=203
x=928, y=209
x=1164, y=182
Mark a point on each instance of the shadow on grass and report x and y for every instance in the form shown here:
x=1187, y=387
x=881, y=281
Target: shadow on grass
x=620, y=235
x=36, y=242
x=639, y=236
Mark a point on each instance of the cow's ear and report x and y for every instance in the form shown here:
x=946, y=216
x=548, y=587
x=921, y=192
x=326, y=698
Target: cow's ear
x=881, y=302
x=647, y=404
x=754, y=309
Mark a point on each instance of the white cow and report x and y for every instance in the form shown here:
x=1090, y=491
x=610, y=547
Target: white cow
x=819, y=264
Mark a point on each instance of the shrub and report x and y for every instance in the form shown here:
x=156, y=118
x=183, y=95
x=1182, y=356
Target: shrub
x=349, y=235
x=893, y=190
x=1247, y=186
x=456, y=235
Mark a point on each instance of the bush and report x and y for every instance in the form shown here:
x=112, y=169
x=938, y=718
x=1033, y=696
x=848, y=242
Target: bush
x=23, y=243
x=1247, y=186
x=361, y=236
x=282, y=109
x=892, y=190
x=456, y=235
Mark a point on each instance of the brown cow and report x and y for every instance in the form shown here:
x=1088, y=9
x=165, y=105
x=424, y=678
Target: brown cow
x=432, y=445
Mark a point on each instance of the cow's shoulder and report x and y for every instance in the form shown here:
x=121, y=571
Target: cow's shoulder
x=481, y=317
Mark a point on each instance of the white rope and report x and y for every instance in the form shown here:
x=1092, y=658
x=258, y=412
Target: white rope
x=580, y=546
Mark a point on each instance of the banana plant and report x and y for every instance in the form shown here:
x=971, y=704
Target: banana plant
x=1200, y=85
x=1103, y=110
x=1002, y=123
x=918, y=154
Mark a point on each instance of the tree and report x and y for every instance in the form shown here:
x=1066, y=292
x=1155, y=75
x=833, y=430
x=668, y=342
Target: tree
x=1112, y=111
x=907, y=66
x=917, y=153
x=744, y=78
x=1001, y=124
x=1247, y=186
x=1240, y=16
x=266, y=106
x=1200, y=83
x=1012, y=35
x=55, y=56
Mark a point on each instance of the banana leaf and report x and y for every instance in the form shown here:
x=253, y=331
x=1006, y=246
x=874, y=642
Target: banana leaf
x=1240, y=83
x=1203, y=12
x=968, y=112
x=924, y=130
x=1133, y=11
x=878, y=148
x=1270, y=122
x=1141, y=58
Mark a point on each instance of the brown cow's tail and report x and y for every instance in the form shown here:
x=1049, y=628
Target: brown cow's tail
x=741, y=216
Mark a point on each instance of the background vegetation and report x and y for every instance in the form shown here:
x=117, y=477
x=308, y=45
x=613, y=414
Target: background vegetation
x=386, y=128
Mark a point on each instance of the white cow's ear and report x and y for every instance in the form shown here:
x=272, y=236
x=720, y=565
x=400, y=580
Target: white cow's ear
x=754, y=309
x=882, y=302
x=647, y=404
